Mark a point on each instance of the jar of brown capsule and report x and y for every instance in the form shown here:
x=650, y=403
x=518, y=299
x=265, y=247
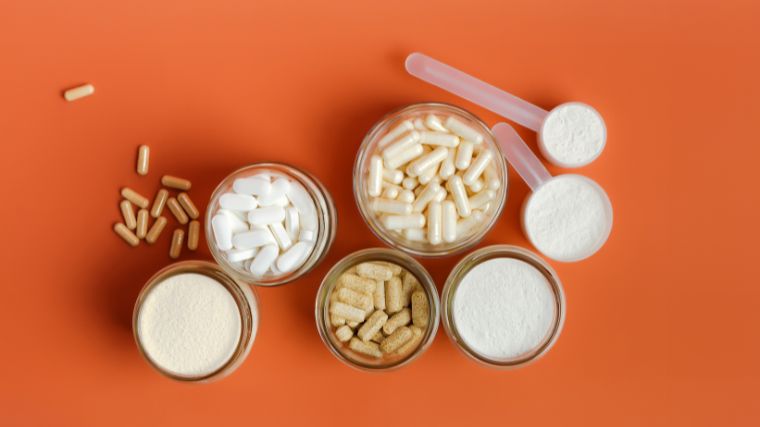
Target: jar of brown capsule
x=340, y=349
x=389, y=130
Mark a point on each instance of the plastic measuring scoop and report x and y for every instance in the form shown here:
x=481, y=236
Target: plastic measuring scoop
x=571, y=135
x=567, y=217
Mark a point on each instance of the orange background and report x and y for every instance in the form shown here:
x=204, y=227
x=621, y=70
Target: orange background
x=662, y=325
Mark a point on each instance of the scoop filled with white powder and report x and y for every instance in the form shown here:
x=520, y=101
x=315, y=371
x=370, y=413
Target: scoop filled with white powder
x=188, y=325
x=568, y=217
x=572, y=135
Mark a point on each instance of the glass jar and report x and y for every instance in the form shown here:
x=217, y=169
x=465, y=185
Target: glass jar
x=340, y=350
x=326, y=222
x=502, y=251
x=370, y=146
x=245, y=301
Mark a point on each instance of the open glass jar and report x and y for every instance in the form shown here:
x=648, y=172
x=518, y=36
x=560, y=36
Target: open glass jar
x=169, y=331
x=321, y=233
x=556, y=300
x=409, y=123
x=327, y=330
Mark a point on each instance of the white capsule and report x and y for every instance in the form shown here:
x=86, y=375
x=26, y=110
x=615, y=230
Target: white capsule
x=400, y=222
x=427, y=194
x=429, y=160
x=237, y=202
x=267, y=215
x=236, y=219
x=428, y=175
x=466, y=225
x=288, y=261
x=306, y=236
x=281, y=236
x=307, y=209
x=491, y=177
x=375, y=178
x=458, y=193
x=253, y=238
x=439, y=138
x=458, y=127
x=440, y=195
x=222, y=231
x=477, y=167
x=406, y=196
x=415, y=234
x=240, y=255
x=405, y=156
x=419, y=125
x=409, y=183
x=448, y=221
x=481, y=199
x=391, y=206
x=277, y=195
x=390, y=193
x=476, y=186
x=393, y=176
x=394, y=133
x=256, y=185
x=464, y=155
x=434, y=123
x=407, y=141
x=434, y=223
x=291, y=222
x=264, y=259
x=447, y=166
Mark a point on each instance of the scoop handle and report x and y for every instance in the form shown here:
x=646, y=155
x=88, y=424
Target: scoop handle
x=518, y=155
x=477, y=91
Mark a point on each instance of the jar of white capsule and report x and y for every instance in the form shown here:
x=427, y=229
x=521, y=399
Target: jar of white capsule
x=194, y=322
x=396, y=304
x=429, y=179
x=503, y=306
x=269, y=223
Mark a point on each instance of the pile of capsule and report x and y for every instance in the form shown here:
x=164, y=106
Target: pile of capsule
x=380, y=309
x=432, y=179
x=137, y=227
x=266, y=225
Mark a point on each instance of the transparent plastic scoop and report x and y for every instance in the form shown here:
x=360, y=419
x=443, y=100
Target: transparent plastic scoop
x=563, y=118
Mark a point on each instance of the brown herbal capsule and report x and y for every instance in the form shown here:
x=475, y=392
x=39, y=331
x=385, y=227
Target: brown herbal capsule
x=136, y=198
x=373, y=325
x=193, y=233
x=188, y=206
x=155, y=230
x=177, y=239
x=368, y=348
x=143, y=157
x=177, y=210
x=126, y=234
x=128, y=214
x=420, y=309
x=159, y=202
x=393, y=295
x=412, y=343
x=402, y=318
x=175, y=182
x=142, y=223
x=397, y=339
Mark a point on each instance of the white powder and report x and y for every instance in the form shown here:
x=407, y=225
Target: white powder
x=504, y=308
x=568, y=218
x=189, y=324
x=573, y=134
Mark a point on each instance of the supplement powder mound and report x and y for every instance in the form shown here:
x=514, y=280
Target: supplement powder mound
x=573, y=134
x=504, y=308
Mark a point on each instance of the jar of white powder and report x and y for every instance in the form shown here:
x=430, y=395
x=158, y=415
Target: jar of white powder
x=503, y=306
x=194, y=322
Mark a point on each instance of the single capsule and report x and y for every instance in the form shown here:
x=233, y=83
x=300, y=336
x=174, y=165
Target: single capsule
x=460, y=128
x=158, y=203
x=155, y=230
x=175, y=182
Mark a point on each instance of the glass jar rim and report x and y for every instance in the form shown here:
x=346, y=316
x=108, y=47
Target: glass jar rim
x=359, y=182
x=321, y=313
x=502, y=251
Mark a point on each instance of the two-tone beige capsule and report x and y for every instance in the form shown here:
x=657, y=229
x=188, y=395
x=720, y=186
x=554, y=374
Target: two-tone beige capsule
x=175, y=182
x=158, y=203
x=177, y=210
x=398, y=338
x=188, y=205
x=193, y=235
x=177, y=239
x=402, y=318
x=136, y=198
x=373, y=325
x=366, y=348
x=393, y=295
x=128, y=214
x=348, y=312
x=78, y=92
x=142, y=224
x=155, y=230
x=371, y=270
x=126, y=234
x=143, y=159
